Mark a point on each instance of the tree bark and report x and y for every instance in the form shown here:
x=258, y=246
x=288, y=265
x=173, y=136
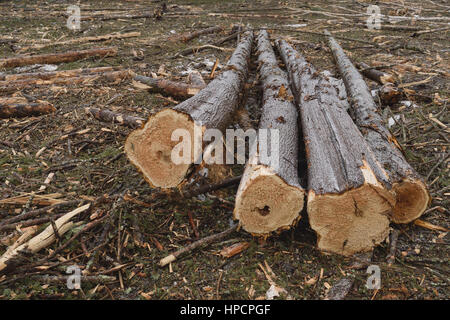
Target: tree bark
x=173, y=88
x=150, y=148
x=25, y=110
x=51, y=58
x=270, y=197
x=347, y=202
x=408, y=189
x=109, y=116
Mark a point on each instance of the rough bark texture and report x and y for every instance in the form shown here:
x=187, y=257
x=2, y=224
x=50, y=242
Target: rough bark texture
x=347, y=202
x=51, y=58
x=270, y=197
x=410, y=192
x=25, y=110
x=173, y=88
x=150, y=148
x=109, y=116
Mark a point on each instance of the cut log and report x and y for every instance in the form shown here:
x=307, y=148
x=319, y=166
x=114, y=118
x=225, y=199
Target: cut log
x=173, y=88
x=192, y=35
x=109, y=116
x=375, y=75
x=269, y=197
x=410, y=192
x=150, y=148
x=12, y=86
x=347, y=204
x=26, y=109
x=52, y=58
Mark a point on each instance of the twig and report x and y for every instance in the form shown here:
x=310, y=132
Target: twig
x=205, y=241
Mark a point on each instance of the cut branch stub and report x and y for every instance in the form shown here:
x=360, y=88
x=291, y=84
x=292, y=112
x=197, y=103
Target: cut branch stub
x=348, y=204
x=270, y=197
x=410, y=192
x=150, y=148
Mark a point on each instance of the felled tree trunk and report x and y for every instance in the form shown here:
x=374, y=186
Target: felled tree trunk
x=109, y=116
x=409, y=191
x=270, y=197
x=20, y=110
x=150, y=148
x=173, y=88
x=347, y=204
x=50, y=58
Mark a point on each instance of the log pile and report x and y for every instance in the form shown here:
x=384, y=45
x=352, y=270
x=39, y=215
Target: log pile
x=408, y=189
x=358, y=180
x=347, y=202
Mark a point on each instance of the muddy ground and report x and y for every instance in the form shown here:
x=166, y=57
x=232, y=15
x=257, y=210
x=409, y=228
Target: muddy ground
x=139, y=231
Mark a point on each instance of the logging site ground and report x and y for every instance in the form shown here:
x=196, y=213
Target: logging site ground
x=70, y=157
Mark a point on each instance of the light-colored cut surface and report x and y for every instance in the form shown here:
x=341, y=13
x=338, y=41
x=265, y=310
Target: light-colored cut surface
x=412, y=200
x=266, y=203
x=150, y=148
x=352, y=222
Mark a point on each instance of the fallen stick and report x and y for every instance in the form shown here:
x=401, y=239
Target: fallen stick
x=374, y=74
x=83, y=39
x=193, y=192
x=189, y=36
x=270, y=197
x=25, y=110
x=347, y=202
x=409, y=191
x=52, y=58
x=173, y=88
x=214, y=45
x=44, y=239
x=111, y=117
x=150, y=148
x=194, y=245
x=36, y=212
